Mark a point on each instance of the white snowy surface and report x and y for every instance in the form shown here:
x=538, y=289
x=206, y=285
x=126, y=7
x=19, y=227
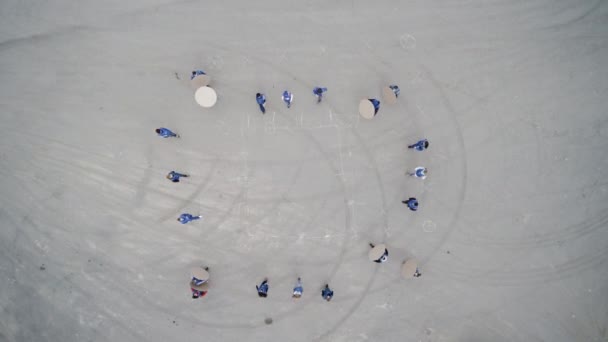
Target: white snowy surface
x=511, y=233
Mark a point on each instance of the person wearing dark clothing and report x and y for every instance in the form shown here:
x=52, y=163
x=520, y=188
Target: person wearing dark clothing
x=174, y=176
x=421, y=145
x=411, y=203
x=263, y=288
x=261, y=100
x=318, y=92
x=376, y=104
x=166, y=133
x=327, y=293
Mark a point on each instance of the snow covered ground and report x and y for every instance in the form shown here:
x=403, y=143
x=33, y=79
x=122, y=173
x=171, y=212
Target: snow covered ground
x=511, y=233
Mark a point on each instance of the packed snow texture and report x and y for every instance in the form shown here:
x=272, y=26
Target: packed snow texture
x=510, y=234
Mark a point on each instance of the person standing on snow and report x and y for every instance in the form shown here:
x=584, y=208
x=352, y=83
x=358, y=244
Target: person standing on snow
x=185, y=218
x=395, y=89
x=318, y=92
x=196, y=73
x=174, y=176
x=419, y=172
x=327, y=293
x=196, y=294
x=421, y=145
x=197, y=281
x=376, y=104
x=166, y=133
x=287, y=98
x=195, y=286
x=411, y=203
x=261, y=100
x=382, y=258
x=298, y=289
x=263, y=288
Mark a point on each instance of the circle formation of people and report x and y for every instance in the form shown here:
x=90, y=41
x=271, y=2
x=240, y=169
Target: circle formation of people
x=206, y=97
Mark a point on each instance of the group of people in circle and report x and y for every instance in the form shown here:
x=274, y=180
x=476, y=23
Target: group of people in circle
x=199, y=286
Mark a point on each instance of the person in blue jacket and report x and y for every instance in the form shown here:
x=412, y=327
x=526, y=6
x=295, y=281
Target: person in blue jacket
x=261, y=100
x=287, y=98
x=327, y=293
x=196, y=293
x=384, y=256
x=411, y=203
x=185, y=218
x=263, y=288
x=419, y=172
x=166, y=133
x=376, y=104
x=174, y=176
x=197, y=281
x=395, y=89
x=196, y=73
x=318, y=92
x=298, y=289
x=421, y=145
